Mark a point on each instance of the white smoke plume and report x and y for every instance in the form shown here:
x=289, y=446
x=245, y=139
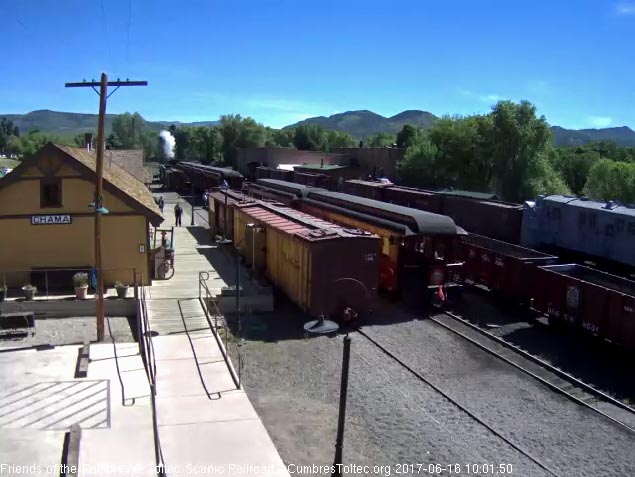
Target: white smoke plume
x=168, y=142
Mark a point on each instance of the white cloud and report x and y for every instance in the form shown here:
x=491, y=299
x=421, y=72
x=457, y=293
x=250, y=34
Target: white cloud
x=494, y=98
x=625, y=9
x=600, y=121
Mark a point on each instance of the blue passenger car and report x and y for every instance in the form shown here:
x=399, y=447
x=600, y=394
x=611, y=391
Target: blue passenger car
x=600, y=229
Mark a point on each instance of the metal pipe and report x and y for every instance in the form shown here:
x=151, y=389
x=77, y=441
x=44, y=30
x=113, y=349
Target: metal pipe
x=238, y=291
x=339, y=443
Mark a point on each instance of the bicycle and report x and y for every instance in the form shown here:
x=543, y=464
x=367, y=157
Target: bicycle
x=166, y=269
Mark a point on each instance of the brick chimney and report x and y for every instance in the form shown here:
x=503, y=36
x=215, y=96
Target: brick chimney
x=88, y=139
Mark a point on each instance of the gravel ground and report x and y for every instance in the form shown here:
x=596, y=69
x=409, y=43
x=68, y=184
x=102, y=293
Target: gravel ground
x=600, y=364
x=66, y=331
x=392, y=417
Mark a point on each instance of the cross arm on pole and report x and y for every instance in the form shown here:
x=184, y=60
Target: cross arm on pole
x=86, y=84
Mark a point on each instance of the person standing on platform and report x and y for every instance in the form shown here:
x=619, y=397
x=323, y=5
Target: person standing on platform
x=178, y=212
x=161, y=204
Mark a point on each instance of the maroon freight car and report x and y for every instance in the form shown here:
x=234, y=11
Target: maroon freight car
x=495, y=219
x=587, y=299
x=312, y=180
x=501, y=267
x=415, y=198
x=368, y=189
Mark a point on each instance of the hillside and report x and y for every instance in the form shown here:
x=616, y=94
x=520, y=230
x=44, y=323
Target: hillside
x=362, y=124
x=70, y=124
x=359, y=124
x=623, y=136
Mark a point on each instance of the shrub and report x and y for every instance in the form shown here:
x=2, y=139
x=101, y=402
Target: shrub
x=80, y=279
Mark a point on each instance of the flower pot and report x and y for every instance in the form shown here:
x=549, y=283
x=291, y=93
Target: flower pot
x=81, y=292
x=29, y=293
x=122, y=292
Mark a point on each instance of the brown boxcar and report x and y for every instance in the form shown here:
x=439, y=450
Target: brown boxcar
x=500, y=266
x=415, y=198
x=221, y=205
x=587, y=299
x=322, y=268
x=368, y=189
x=494, y=219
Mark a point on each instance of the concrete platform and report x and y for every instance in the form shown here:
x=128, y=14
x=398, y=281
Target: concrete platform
x=40, y=400
x=205, y=422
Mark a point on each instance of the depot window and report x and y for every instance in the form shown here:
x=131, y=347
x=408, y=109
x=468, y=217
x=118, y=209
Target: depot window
x=51, y=193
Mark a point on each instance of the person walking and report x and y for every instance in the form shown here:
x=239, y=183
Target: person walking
x=178, y=212
x=161, y=204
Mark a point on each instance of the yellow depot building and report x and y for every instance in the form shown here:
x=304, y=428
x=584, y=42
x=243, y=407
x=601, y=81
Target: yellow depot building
x=46, y=221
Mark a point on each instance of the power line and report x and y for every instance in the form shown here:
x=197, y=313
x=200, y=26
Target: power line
x=128, y=35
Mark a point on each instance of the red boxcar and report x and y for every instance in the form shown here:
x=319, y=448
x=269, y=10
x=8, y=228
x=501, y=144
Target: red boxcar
x=587, y=299
x=501, y=267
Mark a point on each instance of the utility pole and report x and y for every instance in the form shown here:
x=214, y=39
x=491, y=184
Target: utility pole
x=99, y=171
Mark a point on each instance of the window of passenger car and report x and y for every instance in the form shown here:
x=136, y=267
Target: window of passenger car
x=592, y=220
x=620, y=225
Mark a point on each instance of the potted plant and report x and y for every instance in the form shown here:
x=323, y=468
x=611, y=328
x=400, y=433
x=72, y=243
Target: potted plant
x=29, y=291
x=80, y=282
x=122, y=289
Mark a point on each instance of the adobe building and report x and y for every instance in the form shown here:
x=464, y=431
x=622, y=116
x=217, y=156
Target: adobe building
x=46, y=220
x=361, y=162
x=249, y=158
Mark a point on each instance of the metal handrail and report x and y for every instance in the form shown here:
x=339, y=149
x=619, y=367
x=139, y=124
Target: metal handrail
x=146, y=347
x=224, y=347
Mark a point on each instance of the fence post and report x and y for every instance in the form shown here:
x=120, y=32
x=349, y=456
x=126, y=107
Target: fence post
x=46, y=283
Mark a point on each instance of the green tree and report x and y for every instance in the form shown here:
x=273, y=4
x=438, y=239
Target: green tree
x=129, y=129
x=611, y=180
x=518, y=141
x=310, y=137
x=419, y=167
x=380, y=140
x=113, y=141
x=339, y=139
x=407, y=136
x=237, y=133
x=574, y=166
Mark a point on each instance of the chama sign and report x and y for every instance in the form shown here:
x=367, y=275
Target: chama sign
x=50, y=219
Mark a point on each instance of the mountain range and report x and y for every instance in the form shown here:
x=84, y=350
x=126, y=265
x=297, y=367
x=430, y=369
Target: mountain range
x=359, y=124
x=69, y=124
x=362, y=124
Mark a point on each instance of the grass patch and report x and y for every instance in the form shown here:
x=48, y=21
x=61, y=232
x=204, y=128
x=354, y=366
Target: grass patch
x=10, y=163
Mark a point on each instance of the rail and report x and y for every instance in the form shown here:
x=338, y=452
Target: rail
x=57, y=282
x=224, y=337
x=146, y=349
x=558, y=372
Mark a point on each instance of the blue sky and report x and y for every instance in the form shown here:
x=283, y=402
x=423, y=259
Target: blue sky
x=281, y=61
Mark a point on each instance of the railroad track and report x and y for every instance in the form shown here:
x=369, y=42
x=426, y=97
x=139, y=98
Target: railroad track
x=549, y=375
x=527, y=454
x=554, y=378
